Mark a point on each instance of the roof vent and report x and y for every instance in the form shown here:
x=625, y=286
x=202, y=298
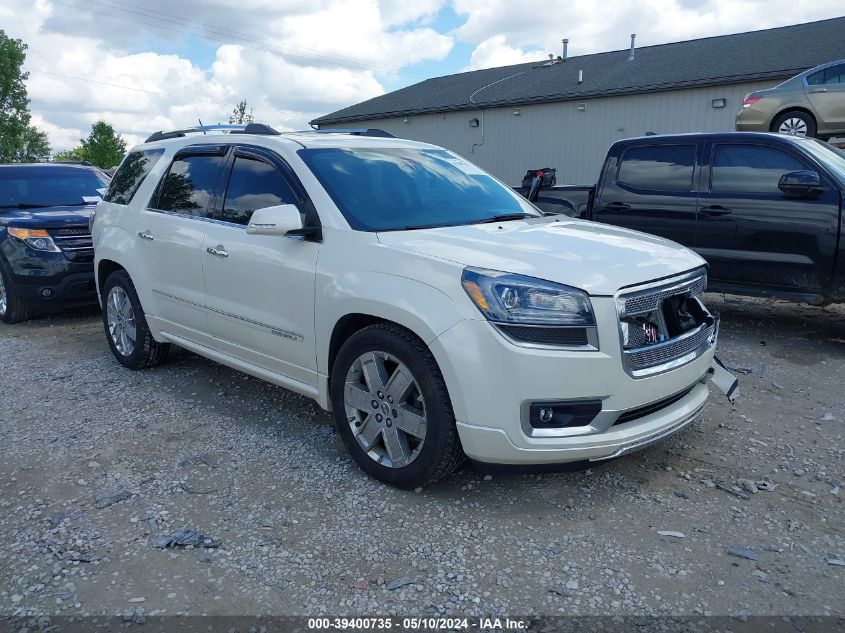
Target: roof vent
x=565, y=49
x=631, y=56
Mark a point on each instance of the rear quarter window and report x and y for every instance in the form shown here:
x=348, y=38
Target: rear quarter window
x=131, y=174
x=658, y=167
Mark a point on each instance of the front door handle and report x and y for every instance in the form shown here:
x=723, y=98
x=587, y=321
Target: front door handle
x=146, y=235
x=218, y=251
x=617, y=206
x=715, y=211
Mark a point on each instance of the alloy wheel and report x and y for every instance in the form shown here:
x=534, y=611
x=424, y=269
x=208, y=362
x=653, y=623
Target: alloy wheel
x=121, y=321
x=4, y=299
x=793, y=126
x=385, y=409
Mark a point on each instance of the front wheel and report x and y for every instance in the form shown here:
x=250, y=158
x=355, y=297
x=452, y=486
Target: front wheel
x=392, y=408
x=795, y=123
x=12, y=309
x=126, y=327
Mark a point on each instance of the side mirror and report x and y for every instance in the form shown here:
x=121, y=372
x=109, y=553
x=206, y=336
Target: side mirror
x=279, y=220
x=801, y=183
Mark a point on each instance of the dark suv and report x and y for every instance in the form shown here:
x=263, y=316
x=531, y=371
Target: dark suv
x=46, y=254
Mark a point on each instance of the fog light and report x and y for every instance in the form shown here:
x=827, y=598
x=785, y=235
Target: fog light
x=46, y=292
x=557, y=415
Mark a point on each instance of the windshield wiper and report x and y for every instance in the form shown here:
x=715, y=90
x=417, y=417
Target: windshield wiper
x=503, y=217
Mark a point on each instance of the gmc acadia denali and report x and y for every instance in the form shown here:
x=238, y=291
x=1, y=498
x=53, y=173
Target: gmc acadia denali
x=430, y=308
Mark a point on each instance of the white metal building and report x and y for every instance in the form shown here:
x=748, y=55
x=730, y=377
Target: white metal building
x=566, y=112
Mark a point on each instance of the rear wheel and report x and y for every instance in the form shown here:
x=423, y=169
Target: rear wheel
x=12, y=309
x=126, y=327
x=795, y=123
x=392, y=408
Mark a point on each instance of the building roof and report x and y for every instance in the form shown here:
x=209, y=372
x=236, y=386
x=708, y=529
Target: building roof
x=776, y=53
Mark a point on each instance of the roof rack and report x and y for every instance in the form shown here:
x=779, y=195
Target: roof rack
x=73, y=162
x=359, y=131
x=249, y=128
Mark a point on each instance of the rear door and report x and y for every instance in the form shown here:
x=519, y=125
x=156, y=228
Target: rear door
x=259, y=289
x=650, y=187
x=170, y=238
x=753, y=234
x=825, y=90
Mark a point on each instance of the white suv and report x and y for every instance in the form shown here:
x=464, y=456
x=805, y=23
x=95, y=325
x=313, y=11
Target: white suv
x=434, y=311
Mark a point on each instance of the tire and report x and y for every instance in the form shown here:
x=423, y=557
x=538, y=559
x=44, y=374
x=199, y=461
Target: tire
x=801, y=123
x=381, y=426
x=123, y=316
x=12, y=309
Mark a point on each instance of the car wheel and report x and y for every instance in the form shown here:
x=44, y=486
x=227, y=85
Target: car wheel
x=392, y=408
x=126, y=327
x=12, y=309
x=795, y=123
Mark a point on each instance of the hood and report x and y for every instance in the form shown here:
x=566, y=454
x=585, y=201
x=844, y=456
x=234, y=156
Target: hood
x=46, y=217
x=597, y=258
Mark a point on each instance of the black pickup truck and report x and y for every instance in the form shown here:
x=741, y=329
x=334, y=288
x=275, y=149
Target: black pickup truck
x=764, y=210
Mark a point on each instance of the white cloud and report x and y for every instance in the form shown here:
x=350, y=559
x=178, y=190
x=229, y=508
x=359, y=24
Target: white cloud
x=297, y=62
x=494, y=51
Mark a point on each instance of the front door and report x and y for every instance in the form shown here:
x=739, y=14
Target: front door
x=170, y=240
x=825, y=90
x=260, y=289
x=751, y=233
x=651, y=188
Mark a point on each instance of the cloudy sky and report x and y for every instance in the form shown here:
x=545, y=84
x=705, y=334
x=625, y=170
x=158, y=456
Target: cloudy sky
x=159, y=64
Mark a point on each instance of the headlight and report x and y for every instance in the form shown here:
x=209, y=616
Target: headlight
x=514, y=299
x=37, y=239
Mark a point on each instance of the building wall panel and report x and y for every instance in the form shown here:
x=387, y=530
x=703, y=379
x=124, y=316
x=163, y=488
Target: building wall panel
x=572, y=136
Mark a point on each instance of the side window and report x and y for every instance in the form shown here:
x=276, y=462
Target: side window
x=658, y=167
x=253, y=185
x=188, y=187
x=835, y=74
x=750, y=168
x=131, y=173
x=816, y=79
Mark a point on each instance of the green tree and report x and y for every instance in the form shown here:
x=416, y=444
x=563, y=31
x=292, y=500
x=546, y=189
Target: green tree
x=69, y=154
x=104, y=147
x=19, y=141
x=240, y=116
x=35, y=146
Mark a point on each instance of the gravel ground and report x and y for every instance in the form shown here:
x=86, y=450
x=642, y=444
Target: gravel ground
x=741, y=513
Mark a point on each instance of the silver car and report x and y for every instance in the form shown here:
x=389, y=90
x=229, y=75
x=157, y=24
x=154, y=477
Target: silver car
x=809, y=104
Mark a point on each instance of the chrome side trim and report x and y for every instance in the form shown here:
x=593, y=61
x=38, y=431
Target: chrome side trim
x=275, y=331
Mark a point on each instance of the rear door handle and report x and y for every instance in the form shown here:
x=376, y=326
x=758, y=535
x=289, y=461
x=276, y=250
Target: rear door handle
x=815, y=90
x=217, y=251
x=715, y=211
x=146, y=235
x=617, y=206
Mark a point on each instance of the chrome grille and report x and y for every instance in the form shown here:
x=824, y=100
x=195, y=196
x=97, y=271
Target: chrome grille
x=649, y=344
x=673, y=349
x=74, y=241
x=649, y=300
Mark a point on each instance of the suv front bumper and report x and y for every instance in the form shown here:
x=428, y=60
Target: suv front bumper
x=492, y=381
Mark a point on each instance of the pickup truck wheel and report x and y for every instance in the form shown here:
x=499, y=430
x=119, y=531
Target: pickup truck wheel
x=795, y=123
x=126, y=327
x=12, y=310
x=392, y=408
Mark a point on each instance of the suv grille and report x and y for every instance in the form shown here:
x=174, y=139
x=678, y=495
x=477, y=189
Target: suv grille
x=652, y=407
x=75, y=242
x=665, y=323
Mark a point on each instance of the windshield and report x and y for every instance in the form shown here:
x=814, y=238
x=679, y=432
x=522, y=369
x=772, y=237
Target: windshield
x=396, y=189
x=32, y=186
x=829, y=156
